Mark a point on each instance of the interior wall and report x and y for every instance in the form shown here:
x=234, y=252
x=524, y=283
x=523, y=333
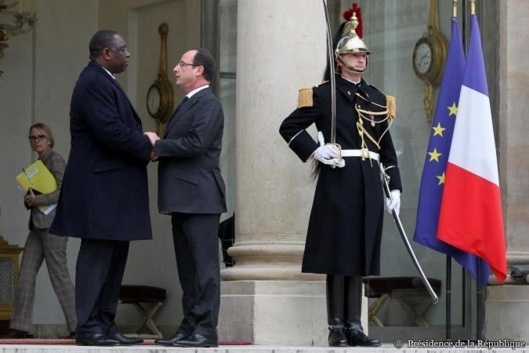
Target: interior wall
x=40, y=71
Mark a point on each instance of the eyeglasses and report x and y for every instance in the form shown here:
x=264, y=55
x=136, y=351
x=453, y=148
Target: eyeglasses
x=183, y=63
x=34, y=138
x=124, y=49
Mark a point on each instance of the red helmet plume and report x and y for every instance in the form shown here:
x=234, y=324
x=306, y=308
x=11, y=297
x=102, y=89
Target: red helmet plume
x=347, y=14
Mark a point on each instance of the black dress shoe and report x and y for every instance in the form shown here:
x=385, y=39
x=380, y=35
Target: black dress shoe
x=124, y=340
x=171, y=342
x=197, y=340
x=96, y=339
x=357, y=337
x=337, y=336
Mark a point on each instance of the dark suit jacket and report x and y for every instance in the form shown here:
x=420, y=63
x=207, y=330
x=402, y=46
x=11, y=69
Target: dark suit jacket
x=104, y=192
x=189, y=179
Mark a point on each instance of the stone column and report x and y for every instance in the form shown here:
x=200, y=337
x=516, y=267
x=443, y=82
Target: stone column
x=281, y=47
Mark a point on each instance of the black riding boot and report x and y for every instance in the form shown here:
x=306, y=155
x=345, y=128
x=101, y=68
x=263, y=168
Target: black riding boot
x=335, y=311
x=354, y=331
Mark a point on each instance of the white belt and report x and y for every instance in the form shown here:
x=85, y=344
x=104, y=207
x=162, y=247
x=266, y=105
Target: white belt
x=361, y=153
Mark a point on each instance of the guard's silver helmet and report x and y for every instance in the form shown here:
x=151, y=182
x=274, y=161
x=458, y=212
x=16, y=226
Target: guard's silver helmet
x=351, y=41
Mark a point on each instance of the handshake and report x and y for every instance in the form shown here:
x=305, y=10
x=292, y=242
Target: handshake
x=153, y=137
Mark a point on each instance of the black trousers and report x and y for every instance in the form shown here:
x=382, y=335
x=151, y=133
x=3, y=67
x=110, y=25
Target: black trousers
x=98, y=276
x=196, y=246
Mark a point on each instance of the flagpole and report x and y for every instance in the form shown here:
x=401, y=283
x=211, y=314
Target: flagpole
x=448, y=286
x=478, y=282
x=467, y=281
x=448, y=292
x=467, y=301
x=479, y=304
x=479, y=285
x=466, y=293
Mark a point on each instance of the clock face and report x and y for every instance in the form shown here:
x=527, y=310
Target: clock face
x=423, y=58
x=153, y=100
x=429, y=55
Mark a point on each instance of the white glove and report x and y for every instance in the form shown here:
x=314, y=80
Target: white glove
x=326, y=152
x=329, y=154
x=393, y=202
x=325, y=156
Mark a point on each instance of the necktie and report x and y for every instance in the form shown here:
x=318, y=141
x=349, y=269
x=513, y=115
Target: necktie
x=182, y=103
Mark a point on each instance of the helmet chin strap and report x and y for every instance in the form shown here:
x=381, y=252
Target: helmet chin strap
x=351, y=68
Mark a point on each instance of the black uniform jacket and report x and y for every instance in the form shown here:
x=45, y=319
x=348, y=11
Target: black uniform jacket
x=345, y=226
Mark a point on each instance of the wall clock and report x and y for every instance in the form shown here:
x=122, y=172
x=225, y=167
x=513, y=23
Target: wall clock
x=160, y=96
x=429, y=56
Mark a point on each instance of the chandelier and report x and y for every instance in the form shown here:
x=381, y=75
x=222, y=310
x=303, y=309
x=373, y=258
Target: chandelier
x=23, y=21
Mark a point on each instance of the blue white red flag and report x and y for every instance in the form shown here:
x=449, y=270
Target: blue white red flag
x=471, y=217
x=433, y=175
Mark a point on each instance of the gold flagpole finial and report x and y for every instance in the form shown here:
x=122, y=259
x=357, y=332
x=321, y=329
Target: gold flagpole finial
x=472, y=7
x=454, y=8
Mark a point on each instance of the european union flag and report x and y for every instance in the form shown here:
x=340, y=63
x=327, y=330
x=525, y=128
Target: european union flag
x=433, y=175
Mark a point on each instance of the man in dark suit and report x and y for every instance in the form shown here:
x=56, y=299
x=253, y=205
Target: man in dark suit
x=104, y=196
x=192, y=191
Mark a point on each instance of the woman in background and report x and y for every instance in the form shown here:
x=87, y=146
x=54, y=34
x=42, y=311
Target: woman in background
x=40, y=245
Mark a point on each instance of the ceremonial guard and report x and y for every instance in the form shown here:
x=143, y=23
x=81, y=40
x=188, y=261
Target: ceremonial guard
x=345, y=226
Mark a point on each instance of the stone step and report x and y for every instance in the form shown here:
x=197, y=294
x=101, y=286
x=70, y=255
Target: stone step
x=68, y=346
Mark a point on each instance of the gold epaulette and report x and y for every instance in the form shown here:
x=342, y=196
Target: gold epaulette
x=305, y=97
x=392, y=106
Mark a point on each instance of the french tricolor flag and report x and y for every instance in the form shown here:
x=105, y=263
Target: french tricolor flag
x=471, y=216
